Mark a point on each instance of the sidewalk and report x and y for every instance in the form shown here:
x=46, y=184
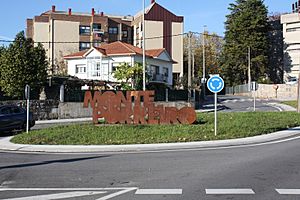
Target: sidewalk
x=273, y=138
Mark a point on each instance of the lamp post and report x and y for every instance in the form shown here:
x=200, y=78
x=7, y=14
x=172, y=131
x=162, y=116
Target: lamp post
x=144, y=57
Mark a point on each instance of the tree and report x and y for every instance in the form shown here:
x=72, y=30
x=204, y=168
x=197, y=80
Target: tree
x=131, y=77
x=246, y=26
x=21, y=64
x=213, y=45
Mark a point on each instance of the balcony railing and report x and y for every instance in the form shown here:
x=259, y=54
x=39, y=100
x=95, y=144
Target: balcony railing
x=158, y=78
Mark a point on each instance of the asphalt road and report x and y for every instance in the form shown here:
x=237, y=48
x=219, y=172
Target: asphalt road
x=242, y=173
x=244, y=104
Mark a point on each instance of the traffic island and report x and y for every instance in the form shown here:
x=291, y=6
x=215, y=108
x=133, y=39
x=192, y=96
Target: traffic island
x=230, y=126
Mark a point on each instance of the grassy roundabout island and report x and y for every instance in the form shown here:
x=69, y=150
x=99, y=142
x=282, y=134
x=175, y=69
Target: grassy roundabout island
x=230, y=125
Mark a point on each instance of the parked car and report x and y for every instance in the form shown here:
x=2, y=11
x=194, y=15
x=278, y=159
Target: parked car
x=292, y=81
x=14, y=118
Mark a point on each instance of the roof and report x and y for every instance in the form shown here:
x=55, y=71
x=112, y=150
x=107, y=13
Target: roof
x=79, y=54
x=117, y=49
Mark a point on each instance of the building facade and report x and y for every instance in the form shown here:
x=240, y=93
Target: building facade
x=100, y=63
x=163, y=29
x=291, y=43
x=66, y=32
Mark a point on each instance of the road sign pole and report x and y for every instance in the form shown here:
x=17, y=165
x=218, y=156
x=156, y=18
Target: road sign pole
x=27, y=120
x=216, y=114
x=254, y=94
x=27, y=96
x=215, y=84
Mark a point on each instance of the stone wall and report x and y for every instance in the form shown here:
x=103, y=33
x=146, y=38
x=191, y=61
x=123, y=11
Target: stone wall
x=268, y=91
x=51, y=109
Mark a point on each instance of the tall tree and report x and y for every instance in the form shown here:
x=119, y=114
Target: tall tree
x=246, y=26
x=21, y=64
x=212, y=45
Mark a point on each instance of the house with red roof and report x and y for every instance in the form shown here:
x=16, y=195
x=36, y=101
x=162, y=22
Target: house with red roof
x=100, y=63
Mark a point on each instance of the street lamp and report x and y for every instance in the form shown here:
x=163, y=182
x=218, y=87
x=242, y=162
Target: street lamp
x=144, y=57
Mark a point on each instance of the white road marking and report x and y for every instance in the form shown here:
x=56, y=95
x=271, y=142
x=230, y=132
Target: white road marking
x=229, y=191
x=117, y=194
x=159, y=191
x=288, y=191
x=59, y=195
x=64, y=189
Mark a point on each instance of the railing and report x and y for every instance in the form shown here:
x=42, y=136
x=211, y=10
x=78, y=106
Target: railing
x=159, y=78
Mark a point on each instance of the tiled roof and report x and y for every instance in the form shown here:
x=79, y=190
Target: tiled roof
x=119, y=48
x=79, y=54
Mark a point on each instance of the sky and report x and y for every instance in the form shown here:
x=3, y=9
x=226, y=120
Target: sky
x=197, y=13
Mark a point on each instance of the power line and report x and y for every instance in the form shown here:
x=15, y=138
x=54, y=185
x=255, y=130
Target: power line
x=70, y=42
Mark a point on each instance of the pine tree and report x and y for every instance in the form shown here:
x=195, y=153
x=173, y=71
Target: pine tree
x=246, y=26
x=21, y=64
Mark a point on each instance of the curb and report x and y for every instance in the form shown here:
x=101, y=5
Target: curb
x=6, y=145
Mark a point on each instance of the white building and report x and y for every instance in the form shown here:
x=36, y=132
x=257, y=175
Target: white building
x=101, y=62
x=291, y=39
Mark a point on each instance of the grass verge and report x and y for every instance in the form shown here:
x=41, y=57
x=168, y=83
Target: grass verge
x=230, y=125
x=290, y=103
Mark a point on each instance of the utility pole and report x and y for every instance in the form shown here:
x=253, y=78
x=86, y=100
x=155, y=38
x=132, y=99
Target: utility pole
x=203, y=66
x=249, y=68
x=144, y=57
x=189, y=66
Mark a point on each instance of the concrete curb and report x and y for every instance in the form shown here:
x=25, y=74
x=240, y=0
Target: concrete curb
x=58, y=121
x=281, y=107
x=6, y=145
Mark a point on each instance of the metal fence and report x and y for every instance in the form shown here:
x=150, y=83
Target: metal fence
x=237, y=89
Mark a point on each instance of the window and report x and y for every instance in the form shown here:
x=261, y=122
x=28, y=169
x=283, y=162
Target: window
x=96, y=27
x=84, y=30
x=97, y=43
x=125, y=34
x=292, y=29
x=137, y=30
x=5, y=111
x=114, y=66
x=84, y=45
x=113, y=30
x=166, y=71
x=80, y=69
x=16, y=110
x=154, y=69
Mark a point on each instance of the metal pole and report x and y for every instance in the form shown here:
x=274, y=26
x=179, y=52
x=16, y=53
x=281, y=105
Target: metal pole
x=189, y=67
x=254, y=106
x=27, y=121
x=249, y=69
x=216, y=114
x=203, y=62
x=144, y=57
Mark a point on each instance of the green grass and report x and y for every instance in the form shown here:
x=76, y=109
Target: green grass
x=290, y=103
x=231, y=125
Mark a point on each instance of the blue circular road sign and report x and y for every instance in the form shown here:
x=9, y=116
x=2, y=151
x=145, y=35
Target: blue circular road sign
x=215, y=84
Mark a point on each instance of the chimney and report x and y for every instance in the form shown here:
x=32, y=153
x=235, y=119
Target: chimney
x=93, y=11
x=70, y=11
x=53, y=8
x=102, y=14
x=293, y=8
x=152, y=1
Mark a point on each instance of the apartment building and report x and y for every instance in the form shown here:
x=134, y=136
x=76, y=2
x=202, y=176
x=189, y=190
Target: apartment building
x=163, y=29
x=62, y=33
x=67, y=32
x=291, y=39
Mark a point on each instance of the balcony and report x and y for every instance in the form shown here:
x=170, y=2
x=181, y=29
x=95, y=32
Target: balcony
x=158, y=78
